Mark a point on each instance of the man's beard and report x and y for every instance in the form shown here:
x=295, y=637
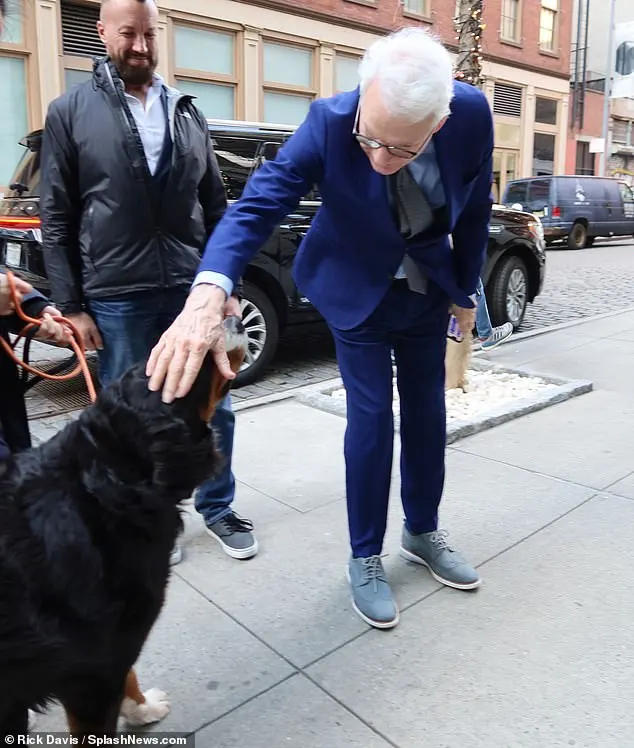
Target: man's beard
x=134, y=75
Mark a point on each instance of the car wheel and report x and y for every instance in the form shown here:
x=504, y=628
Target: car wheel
x=578, y=236
x=262, y=327
x=509, y=292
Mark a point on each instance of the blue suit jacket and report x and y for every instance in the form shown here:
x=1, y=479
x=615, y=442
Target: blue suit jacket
x=348, y=258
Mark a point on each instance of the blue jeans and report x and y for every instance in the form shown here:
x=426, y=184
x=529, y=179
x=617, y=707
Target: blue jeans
x=130, y=327
x=483, y=321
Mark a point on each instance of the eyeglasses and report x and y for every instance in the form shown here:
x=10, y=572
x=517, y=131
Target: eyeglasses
x=375, y=145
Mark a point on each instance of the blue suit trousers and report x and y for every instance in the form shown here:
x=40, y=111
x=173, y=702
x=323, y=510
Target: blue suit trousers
x=414, y=327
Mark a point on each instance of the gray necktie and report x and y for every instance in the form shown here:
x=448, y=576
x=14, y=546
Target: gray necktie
x=414, y=215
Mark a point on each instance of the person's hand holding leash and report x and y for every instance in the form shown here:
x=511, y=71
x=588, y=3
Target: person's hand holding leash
x=176, y=359
x=52, y=330
x=6, y=302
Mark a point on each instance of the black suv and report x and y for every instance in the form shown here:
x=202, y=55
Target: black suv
x=513, y=274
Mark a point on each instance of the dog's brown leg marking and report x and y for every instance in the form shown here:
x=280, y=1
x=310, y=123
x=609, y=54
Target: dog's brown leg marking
x=132, y=690
x=103, y=724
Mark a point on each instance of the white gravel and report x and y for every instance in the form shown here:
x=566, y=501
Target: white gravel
x=488, y=390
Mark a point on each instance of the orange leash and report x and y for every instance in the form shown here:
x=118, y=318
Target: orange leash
x=75, y=343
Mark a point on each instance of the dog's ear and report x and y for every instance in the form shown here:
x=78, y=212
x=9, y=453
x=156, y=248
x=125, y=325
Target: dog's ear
x=220, y=386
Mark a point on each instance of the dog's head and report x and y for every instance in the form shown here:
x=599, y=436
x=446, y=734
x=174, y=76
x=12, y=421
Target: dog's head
x=170, y=445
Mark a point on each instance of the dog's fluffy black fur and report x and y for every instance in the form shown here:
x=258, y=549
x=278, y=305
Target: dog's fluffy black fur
x=87, y=524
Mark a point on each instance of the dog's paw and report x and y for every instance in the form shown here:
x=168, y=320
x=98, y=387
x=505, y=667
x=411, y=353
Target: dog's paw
x=156, y=707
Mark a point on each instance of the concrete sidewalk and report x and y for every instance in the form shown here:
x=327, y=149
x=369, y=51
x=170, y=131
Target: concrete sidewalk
x=268, y=652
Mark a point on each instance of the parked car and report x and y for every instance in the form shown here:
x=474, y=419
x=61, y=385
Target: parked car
x=575, y=209
x=513, y=275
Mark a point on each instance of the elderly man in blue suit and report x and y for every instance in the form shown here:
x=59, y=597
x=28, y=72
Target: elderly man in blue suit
x=404, y=167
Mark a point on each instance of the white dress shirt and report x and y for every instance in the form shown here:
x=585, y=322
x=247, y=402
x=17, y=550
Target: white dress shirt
x=150, y=121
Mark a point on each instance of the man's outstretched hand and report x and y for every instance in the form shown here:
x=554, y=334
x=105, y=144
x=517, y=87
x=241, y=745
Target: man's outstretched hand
x=176, y=359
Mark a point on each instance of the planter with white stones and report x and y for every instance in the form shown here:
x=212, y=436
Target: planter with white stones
x=495, y=394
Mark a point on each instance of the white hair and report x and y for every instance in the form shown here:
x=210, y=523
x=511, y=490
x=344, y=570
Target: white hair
x=415, y=73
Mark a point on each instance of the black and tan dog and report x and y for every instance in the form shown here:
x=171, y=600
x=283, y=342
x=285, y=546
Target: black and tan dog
x=87, y=524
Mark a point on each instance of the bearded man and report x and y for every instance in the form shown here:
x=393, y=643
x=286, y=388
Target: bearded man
x=130, y=194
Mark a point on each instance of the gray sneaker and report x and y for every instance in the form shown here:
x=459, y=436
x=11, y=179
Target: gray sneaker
x=371, y=594
x=446, y=565
x=235, y=535
x=497, y=337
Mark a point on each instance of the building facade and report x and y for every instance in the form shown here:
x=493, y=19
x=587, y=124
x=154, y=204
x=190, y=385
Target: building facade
x=589, y=56
x=266, y=60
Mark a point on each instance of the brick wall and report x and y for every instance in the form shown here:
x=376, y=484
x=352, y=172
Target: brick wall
x=385, y=15
x=593, y=115
x=378, y=17
x=526, y=53
x=592, y=126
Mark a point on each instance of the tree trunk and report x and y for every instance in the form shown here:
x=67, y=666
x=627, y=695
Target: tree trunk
x=469, y=29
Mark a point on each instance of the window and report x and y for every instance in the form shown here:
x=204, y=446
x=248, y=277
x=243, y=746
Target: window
x=626, y=192
x=288, y=73
x=417, y=7
x=80, y=41
x=346, y=73
x=546, y=111
x=619, y=131
x=510, y=20
x=505, y=163
x=268, y=152
x=14, y=120
x=14, y=24
x=548, y=24
x=515, y=193
x=73, y=78
x=205, y=61
x=236, y=159
x=543, y=154
x=584, y=163
x=538, y=195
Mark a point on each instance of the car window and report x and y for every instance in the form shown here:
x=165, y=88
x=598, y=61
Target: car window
x=628, y=199
x=236, y=159
x=626, y=192
x=26, y=177
x=269, y=151
x=515, y=193
x=538, y=195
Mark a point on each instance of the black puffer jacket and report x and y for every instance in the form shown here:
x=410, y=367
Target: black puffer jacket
x=104, y=231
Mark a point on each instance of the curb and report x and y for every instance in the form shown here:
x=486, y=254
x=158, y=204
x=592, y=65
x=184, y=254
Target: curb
x=565, y=325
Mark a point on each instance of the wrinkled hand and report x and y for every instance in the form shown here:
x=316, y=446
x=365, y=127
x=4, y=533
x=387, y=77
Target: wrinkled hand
x=88, y=331
x=176, y=359
x=465, y=319
x=6, y=302
x=50, y=329
x=232, y=307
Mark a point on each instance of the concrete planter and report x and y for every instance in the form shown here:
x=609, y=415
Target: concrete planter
x=559, y=389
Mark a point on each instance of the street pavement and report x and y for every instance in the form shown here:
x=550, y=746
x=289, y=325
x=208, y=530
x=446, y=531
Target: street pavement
x=268, y=653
